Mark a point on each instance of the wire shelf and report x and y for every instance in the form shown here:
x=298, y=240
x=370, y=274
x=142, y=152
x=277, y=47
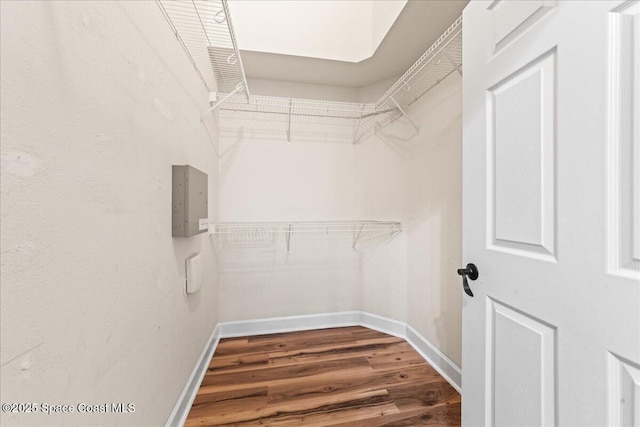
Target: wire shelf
x=331, y=120
x=266, y=231
x=442, y=58
x=279, y=127
x=205, y=32
x=299, y=107
x=306, y=227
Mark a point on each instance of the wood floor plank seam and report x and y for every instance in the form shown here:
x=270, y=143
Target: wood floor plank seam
x=350, y=376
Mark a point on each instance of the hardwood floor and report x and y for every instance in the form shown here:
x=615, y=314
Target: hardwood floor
x=329, y=377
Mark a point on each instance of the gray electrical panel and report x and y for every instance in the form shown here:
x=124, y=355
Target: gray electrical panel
x=189, y=201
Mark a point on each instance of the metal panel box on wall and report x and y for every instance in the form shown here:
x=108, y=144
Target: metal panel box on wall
x=190, y=209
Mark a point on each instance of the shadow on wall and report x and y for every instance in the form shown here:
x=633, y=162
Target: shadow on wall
x=401, y=137
x=267, y=251
x=398, y=134
x=319, y=273
x=260, y=278
x=434, y=294
x=233, y=140
x=212, y=134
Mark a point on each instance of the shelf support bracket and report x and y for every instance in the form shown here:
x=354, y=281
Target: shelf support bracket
x=220, y=101
x=289, y=231
x=289, y=125
x=355, y=136
x=404, y=113
x=356, y=236
x=450, y=59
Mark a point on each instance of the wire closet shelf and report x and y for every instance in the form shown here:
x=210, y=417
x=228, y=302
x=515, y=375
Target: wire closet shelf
x=442, y=58
x=298, y=107
x=357, y=230
x=204, y=30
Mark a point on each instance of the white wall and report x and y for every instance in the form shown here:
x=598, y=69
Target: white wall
x=432, y=221
x=265, y=179
x=389, y=176
x=318, y=176
x=286, y=89
x=98, y=101
x=384, y=14
x=270, y=180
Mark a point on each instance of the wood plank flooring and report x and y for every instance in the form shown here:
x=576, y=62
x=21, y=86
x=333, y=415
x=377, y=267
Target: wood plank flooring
x=328, y=377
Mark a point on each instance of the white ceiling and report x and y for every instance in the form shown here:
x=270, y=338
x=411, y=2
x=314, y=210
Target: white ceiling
x=342, y=30
x=419, y=24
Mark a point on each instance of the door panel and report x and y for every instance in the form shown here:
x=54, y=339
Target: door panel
x=624, y=383
x=624, y=167
x=521, y=190
x=550, y=213
x=512, y=18
x=523, y=393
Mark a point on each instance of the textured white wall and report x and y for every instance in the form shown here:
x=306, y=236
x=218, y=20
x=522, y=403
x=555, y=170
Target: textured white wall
x=98, y=101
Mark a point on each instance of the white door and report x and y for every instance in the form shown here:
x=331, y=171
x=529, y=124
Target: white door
x=551, y=202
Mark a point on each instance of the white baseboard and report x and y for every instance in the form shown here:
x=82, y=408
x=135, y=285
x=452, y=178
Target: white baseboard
x=275, y=325
x=441, y=363
x=383, y=324
x=180, y=411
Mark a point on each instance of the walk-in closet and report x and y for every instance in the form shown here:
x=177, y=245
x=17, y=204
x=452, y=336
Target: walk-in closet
x=320, y=213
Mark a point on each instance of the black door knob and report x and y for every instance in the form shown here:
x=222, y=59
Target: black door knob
x=472, y=273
